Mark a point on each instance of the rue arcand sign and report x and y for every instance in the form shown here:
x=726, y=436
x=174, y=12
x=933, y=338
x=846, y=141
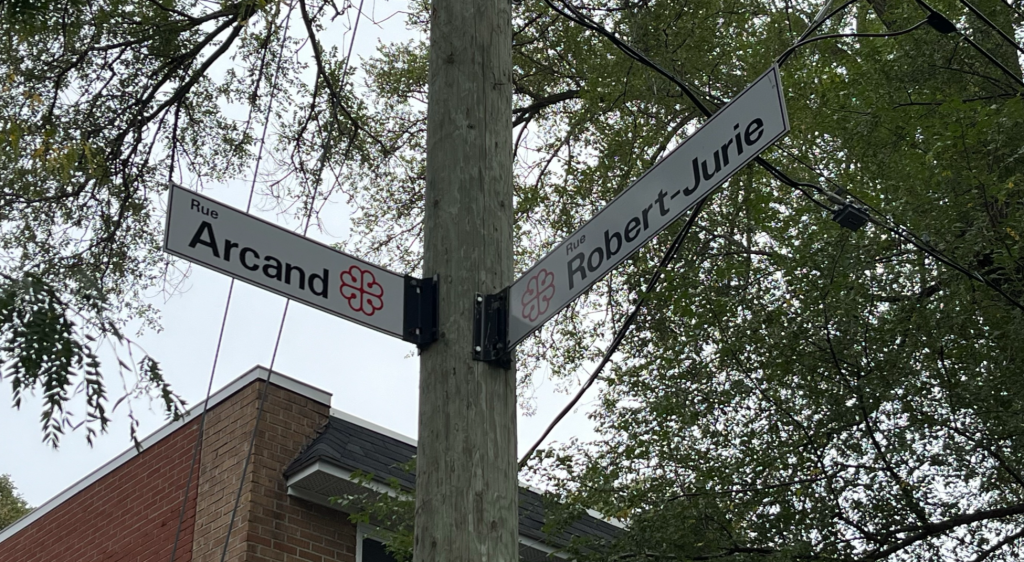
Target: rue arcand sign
x=250, y=249
x=730, y=139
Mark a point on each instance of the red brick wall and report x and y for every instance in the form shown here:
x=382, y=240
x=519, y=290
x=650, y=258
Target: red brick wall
x=129, y=515
x=225, y=443
x=269, y=525
x=283, y=528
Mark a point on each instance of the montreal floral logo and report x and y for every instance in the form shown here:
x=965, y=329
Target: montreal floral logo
x=361, y=289
x=539, y=291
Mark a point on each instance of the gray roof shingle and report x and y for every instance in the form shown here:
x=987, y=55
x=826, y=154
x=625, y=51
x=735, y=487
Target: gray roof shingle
x=354, y=447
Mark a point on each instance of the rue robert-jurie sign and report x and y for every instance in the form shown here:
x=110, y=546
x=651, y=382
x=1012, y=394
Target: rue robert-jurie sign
x=250, y=249
x=731, y=138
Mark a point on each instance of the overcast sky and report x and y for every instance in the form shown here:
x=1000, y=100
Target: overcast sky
x=370, y=375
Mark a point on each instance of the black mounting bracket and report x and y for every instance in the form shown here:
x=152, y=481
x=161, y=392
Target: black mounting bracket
x=420, y=319
x=850, y=217
x=490, y=329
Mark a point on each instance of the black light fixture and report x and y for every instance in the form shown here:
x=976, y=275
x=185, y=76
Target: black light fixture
x=850, y=217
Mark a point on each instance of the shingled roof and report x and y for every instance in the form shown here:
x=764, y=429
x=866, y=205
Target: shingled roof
x=354, y=447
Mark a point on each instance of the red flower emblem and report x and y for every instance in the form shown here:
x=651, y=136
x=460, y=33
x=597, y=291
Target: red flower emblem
x=361, y=289
x=539, y=290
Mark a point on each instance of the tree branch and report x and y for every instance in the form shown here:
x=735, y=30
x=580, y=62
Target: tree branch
x=938, y=527
x=524, y=114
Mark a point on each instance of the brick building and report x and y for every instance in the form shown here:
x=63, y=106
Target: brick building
x=304, y=453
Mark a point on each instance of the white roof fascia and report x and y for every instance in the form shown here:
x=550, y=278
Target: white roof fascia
x=373, y=427
x=537, y=545
x=313, y=497
x=338, y=472
x=256, y=373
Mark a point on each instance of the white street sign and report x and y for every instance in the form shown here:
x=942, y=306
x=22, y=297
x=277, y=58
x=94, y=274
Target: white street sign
x=731, y=138
x=250, y=249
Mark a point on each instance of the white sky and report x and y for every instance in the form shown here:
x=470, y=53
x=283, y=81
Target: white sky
x=370, y=375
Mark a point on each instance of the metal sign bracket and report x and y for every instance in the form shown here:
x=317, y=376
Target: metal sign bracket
x=490, y=329
x=420, y=322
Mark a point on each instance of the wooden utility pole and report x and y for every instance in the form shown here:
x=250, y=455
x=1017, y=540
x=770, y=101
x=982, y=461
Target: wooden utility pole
x=466, y=477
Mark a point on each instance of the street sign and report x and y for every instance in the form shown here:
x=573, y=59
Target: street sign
x=731, y=138
x=261, y=253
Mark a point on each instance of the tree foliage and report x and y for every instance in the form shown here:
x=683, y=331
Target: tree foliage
x=796, y=390
x=12, y=505
x=793, y=390
x=102, y=104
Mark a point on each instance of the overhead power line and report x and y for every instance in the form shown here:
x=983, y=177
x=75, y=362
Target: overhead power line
x=994, y=27
x=573, y=14
x=942, y=24
x=782, y=58
x=231, y=289
x=620, y=335
x=777, y=173
x=284, y=314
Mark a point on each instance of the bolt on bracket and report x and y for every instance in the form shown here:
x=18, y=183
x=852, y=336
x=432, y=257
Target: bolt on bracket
x=420, y=325
x=490, y=329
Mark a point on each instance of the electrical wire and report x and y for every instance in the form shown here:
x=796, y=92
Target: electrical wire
x=620, y=335
x=227, y=304
x=676, y=243
x=284, y=315
x=780, y=175
x=574, y=15
x=992, y=59
x=1010, y=5
x=880, y=219
x=202, y=423
x=887, y=223
x=782, y=58
x=905, y=234
x=992, y=25
x=941, y=23
x=820, y=21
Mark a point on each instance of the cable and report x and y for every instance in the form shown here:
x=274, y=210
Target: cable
x=202, y=422
x=1010, y=5
x=782, y=58
x=586, y=22
x=284, y=315
x=817, y=23
x=942, y=24
x=255, y=431
x=902, y=233
x=890, y=225
x=670, y=254
x=778, y=174
x=989, y=23
x=227, y=305
x=992, y=59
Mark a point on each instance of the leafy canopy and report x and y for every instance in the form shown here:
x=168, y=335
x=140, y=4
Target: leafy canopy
x=101, y=105
x=12, y=505
x=793, y=390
